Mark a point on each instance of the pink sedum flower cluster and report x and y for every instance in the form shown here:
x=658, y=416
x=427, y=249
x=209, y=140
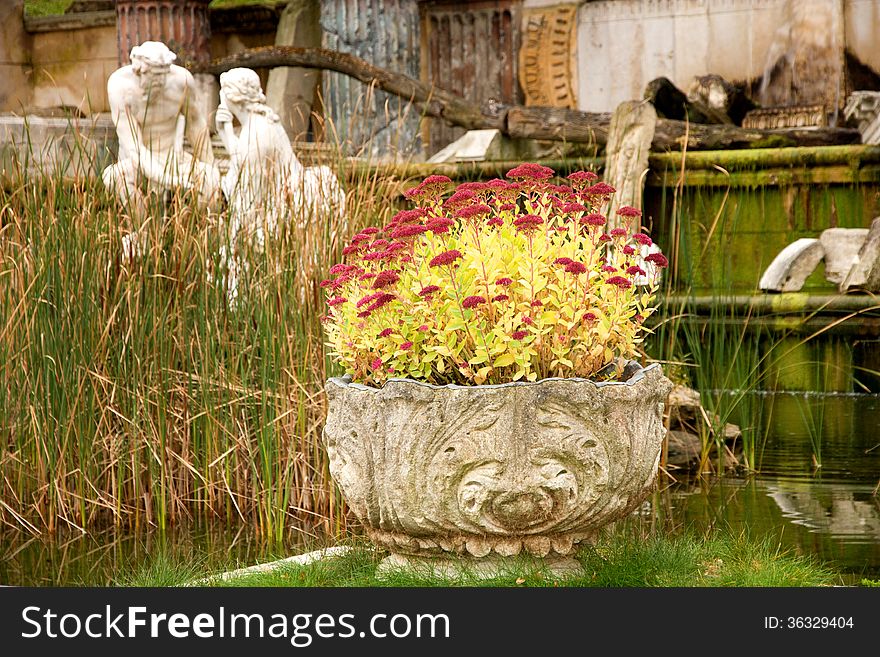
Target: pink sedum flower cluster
x=505, y=280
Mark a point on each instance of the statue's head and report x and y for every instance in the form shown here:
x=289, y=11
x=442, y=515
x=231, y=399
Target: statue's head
x=241, y=86
x=241, y=91
x=152, y=60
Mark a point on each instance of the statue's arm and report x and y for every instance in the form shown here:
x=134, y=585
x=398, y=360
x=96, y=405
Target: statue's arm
x=128, y=130
x=223, y=123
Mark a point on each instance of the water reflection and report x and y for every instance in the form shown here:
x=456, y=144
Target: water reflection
x=831, y=512
x=843, y=511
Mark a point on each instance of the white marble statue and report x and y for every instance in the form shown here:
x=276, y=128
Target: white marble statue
x=149, y=99
x=266, y=185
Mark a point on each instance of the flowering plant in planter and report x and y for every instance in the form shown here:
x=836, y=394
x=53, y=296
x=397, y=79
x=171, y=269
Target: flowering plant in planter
x=482, y=332
x=505, y=280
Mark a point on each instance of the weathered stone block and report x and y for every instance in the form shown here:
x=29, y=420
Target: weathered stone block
x=841, y=247
x=865, y=274
x=791, y=268
x=477, y=146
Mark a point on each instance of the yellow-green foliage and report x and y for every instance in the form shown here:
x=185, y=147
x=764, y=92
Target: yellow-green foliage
x=501, y=281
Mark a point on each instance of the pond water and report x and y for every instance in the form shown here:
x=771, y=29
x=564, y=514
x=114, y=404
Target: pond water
x=831, y=512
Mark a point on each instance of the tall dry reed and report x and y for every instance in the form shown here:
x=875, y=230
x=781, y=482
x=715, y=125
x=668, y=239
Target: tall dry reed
x=131, y=393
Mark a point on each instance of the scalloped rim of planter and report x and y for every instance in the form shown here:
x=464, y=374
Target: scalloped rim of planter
x=346, y=382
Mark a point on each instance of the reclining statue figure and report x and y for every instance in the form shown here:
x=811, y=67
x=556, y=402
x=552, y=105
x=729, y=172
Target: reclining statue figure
x=148, y=99
x=266, y=186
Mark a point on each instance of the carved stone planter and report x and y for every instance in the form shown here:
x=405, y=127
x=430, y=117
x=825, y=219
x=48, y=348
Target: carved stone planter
x=459, y=476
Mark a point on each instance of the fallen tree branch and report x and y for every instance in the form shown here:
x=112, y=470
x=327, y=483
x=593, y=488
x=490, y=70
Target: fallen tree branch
x=550, y=123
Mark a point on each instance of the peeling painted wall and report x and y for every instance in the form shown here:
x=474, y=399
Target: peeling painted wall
x=386, y=34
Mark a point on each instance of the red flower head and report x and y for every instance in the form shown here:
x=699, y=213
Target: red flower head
x=581, y=179
x=620, y=281
x=528, y=320
x=589, y=317
x=528, y=223
x=503, y=190
x=600, y=189
x=500, y=297
x=628, y=250
x=408, y=230
x=635, y=270
x=531, y=171
x=604, y=237
x=408, y=216
x=658, y=259
x=335, y=301
x=364, y=313
x=519, y=335
x=563, y=261
x=618, y=232
x=504, y=281
x=642, y=239
x=341, y=269
x=377, y=363
x=368, y=299
x=384, y=333
x=475, y=187
x=536, y=303
x=495, y=221
x=422, y=328
x=571, y=208
x=629, y=211
x=507, y=207
x=471, y=211
x=594, y=219
x=385, y=278
x=429, y=290
x=576, y=268
x=445, y=258
x=406, y=346
x=472, y=301
x=459, y=199
x=366, y=277
x=430, y=187
x=608, y=269
x=439, y=225
x=383, y=299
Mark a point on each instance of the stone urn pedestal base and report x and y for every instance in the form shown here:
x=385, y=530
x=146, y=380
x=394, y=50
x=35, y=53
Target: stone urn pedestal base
x=489, y=567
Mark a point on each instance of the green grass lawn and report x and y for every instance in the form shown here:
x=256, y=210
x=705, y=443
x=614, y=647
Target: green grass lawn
x=614, y=562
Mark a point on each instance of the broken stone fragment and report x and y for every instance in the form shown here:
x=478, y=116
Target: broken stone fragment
x=841, y=247
x=865, y=273
x=791, y=268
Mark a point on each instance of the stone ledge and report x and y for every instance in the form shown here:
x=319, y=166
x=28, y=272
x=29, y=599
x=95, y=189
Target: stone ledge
x=75, y=21
x=298, y=560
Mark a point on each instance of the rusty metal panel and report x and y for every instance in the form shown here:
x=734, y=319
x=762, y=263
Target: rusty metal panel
x=472, y=49
x=181, y=24
x=384, y=33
